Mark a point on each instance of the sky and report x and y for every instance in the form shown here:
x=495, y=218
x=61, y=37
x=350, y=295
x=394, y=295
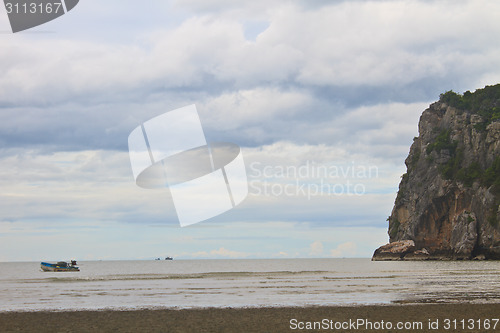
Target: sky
x=323, y=97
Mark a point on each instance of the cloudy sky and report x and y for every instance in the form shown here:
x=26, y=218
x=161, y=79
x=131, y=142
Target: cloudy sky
x=323, y=97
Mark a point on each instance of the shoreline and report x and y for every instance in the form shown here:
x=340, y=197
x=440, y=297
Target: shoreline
x=252, y=319
x=402, y=303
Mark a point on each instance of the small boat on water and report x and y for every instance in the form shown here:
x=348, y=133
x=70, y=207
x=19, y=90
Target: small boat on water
x=60, y=266
x=169, y=258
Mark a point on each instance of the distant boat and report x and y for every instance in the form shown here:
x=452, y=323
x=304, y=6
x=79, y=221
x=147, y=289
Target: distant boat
x=169, y=258
x=60, y=266
x=157, y=259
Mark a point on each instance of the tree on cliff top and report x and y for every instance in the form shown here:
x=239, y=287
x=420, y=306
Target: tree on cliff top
x=485, y=102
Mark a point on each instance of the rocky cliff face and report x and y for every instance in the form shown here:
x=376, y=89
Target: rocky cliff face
x=448, y=204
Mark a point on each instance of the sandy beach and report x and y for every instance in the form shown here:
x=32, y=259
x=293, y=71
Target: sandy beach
x=447, y=317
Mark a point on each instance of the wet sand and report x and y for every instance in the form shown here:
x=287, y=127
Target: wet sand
x=254, y=319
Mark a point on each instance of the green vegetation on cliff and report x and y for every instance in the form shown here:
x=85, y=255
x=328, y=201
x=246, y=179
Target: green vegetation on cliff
x=448, y=203
x=455, y=170
x=484, y=102
x=442, y=141
x=491, y=176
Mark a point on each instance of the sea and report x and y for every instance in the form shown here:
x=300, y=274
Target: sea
x=180, y=284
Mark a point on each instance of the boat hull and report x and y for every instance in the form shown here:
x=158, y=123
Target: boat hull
x=48, y=267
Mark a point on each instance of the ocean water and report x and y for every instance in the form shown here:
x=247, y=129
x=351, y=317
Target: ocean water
x=245, y=283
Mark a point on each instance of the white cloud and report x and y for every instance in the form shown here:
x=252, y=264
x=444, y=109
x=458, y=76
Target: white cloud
x=225, y=7
x=347, y=44
x=221, y=252
x=282, y=254
x=68, y=100
x=371, y=129
x=85, y=191
x=316, y=248
x=87, y=185
x=347, y=249
x=292, y=83
x=99, y=184
x=373, y=43
x=248, y=108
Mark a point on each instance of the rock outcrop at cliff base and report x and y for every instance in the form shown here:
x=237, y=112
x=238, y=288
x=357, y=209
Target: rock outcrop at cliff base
x=448, y=203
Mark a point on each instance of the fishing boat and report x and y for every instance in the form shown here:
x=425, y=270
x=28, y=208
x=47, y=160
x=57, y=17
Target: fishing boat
x=60, y=266
x=169, y=258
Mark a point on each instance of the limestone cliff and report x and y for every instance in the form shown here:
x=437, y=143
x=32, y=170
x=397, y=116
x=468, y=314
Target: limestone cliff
x=447, y=206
